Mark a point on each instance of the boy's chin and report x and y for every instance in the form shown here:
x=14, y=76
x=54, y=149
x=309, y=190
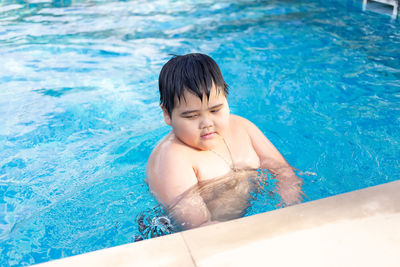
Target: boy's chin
x=208, y=145
x=202, y=145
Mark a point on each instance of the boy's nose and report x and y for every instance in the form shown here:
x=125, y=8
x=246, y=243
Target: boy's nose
x=205, y=122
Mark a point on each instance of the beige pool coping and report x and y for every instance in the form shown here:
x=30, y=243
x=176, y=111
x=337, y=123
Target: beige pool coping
x=360, y=228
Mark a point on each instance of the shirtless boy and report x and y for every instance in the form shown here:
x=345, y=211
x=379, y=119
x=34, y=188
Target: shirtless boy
x=206, y=141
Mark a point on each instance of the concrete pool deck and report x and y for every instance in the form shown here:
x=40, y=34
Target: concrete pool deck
x=359, y=228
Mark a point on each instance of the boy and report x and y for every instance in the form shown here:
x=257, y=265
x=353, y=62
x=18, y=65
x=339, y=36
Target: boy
x=207, y=142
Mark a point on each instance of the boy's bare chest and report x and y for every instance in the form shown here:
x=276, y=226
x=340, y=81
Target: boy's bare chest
x=209, y=165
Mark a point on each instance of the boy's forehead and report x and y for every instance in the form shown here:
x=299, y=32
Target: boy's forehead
x=189, y=99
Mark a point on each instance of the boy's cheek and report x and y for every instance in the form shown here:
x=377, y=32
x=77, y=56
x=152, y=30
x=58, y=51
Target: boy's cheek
x=184, y=130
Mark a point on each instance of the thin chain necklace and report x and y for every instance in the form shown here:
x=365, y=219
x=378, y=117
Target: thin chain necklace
x=230, y=164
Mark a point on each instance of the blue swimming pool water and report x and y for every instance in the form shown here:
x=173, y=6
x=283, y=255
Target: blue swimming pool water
x=79, y=105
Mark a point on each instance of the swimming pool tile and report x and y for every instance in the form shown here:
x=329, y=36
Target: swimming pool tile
x=370, y=241
x=165, y=251
x=357, y=221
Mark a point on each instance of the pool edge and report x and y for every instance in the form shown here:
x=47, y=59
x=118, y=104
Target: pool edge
x=350, y=229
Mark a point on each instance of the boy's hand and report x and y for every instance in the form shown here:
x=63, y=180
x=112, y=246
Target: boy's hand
x=289, y=186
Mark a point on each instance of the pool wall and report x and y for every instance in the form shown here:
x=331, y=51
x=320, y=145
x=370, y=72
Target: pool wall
x=359, y=228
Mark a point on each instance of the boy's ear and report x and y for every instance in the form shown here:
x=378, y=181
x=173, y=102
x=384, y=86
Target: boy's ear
x=167, y=117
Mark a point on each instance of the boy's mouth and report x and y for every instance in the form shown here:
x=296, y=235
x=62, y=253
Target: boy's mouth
x=208, y=135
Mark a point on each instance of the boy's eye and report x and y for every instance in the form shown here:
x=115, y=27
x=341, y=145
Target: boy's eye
x=215, y=110
x=191, y=116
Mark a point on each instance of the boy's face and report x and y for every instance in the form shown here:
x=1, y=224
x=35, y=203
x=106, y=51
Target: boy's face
x=200, y=124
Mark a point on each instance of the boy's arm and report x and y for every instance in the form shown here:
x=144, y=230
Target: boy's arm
x=270, y=158
x=172, y=179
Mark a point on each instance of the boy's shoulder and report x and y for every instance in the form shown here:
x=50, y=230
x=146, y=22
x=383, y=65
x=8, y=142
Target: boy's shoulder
x=168, y=154
x=169, y=170
x=237, y=118
x=168, y=148
x=239, y=123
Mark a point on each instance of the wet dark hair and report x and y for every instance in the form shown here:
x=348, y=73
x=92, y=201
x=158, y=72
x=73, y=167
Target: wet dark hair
x=193, y=72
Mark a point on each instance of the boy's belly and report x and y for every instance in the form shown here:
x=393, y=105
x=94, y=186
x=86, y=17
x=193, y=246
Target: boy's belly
x=228, y=197
x=224, y=198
